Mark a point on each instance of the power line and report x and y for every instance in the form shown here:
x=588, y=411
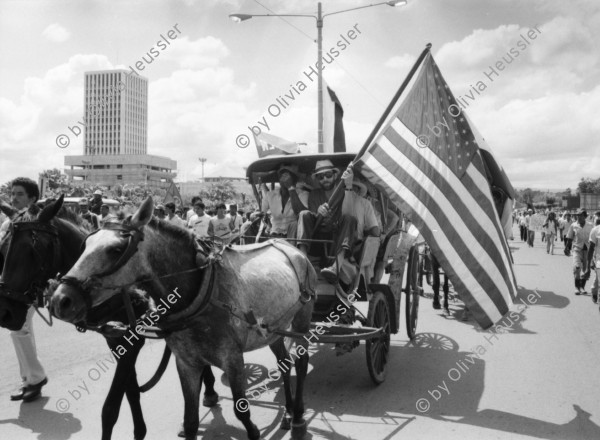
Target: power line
x=336, y=61
x=283, y=19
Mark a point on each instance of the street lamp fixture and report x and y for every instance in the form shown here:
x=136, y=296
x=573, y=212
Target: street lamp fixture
x=203, y=161
x=238, y=18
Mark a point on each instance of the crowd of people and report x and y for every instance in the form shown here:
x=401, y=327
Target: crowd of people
x=580, y=234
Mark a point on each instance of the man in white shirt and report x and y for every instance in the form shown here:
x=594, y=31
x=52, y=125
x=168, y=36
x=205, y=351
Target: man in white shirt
x=199, y=221
x=192, y=211
x=24, y=193
x=286, y=203
x=172, y=217
x=593, y=256
x=579, y=233
x=236, y=221
x=219, y=227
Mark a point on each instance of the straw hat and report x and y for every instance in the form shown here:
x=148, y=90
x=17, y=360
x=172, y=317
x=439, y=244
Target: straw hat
x=323, y=166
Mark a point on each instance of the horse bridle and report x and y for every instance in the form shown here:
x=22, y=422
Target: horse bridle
x=135, y=236
x=35, y=290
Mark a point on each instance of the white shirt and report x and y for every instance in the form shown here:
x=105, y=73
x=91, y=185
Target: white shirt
x=199, y=225
x=190, y=214
x=4, y=228
x=220, y=227
x=281, y=217
x=176, y=221
x=237, y=223
x=362, y=210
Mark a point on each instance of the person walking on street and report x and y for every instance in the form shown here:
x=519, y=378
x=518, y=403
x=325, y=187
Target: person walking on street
x=530, y=228
x=551, y=226
x=24, y=194
x=523, y=227
x=579, y=233
x=594, y=257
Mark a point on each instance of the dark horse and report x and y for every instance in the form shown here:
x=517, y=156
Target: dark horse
x=235, y=302
x=43, y=244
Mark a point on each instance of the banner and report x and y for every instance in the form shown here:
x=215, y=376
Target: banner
x=269, y=145
x=173, y=195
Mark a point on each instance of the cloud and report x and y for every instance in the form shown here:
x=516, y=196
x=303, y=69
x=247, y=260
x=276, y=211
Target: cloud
x=542, y=139
x=403, y=63
x=204, y=52
x=56, y=33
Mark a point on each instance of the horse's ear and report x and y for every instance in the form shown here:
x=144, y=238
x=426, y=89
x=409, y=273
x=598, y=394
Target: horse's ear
x=8, y=210
x=144, y=213
x=51, y=210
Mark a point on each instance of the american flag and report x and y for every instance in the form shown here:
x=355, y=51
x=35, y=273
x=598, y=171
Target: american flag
x=426, y=158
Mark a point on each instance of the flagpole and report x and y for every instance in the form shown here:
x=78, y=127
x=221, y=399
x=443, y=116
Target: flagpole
x=393, y=102
x=339, y=189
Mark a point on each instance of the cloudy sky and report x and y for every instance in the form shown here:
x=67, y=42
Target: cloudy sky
x=539, y=114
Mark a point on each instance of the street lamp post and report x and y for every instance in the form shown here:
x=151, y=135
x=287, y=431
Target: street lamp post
x=203, y=161
x=319, y=20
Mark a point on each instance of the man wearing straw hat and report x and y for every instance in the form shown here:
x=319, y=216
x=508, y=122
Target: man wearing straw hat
x=348, y=223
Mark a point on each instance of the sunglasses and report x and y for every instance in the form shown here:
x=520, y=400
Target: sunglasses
x=328, y=175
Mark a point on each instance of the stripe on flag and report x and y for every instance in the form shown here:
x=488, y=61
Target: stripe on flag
x=439, y=181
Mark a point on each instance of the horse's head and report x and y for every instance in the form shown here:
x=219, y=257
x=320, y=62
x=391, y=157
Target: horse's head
x=109, y=262
x=29, y=256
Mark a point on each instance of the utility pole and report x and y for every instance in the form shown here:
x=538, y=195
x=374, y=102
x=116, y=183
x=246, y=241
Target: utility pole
x=203, y=161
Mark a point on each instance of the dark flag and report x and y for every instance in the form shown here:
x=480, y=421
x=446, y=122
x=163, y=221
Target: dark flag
x=334, y=139
x=172, y=195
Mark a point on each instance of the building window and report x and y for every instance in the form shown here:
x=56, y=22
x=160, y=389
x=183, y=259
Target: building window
x=119, y=177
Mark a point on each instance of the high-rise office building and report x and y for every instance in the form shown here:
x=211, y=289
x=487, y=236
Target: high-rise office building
x=116, y=113
x=116, y=133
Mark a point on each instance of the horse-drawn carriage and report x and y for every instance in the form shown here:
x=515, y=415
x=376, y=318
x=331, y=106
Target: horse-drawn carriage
x=217, y=302
x=335, y=314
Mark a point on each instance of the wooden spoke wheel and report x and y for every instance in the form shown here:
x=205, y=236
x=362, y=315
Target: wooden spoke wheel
x=378, y=349
x=413, y=291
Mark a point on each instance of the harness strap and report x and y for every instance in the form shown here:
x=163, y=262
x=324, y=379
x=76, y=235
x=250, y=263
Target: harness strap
x=178, y=321
x=135, y=236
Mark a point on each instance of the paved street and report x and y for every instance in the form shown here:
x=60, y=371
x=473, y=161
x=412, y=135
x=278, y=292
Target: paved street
x=536, y=379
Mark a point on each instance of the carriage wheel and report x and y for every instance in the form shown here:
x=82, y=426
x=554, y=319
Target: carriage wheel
x=413, y=291
x=378, y=349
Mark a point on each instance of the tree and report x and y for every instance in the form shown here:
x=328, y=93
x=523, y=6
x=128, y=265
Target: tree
x=588, y=185
x=5, y=191
x=219, y=192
